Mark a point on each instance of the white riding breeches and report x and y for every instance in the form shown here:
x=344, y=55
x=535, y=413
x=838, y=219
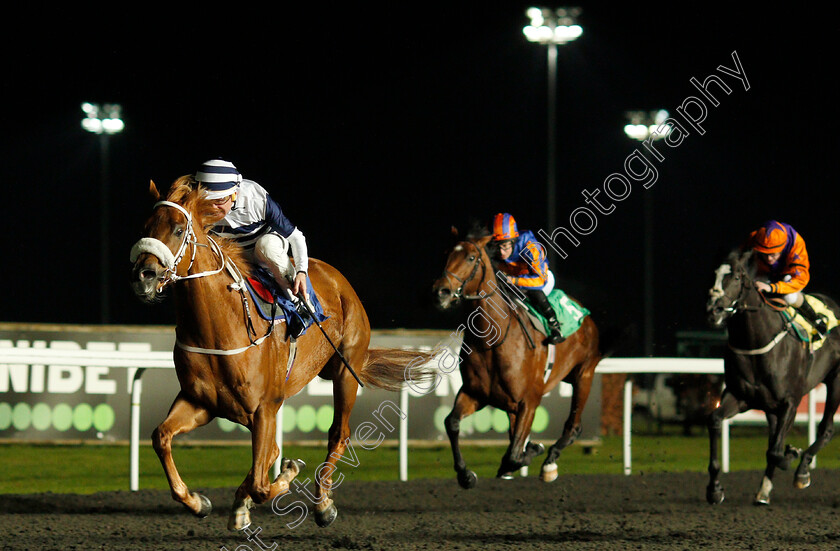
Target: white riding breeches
x=549, y=283
x=271, y=251
x=794, y=299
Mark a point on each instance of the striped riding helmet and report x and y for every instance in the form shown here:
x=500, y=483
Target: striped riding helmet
x=504, y=227
x=770, y=238
x=220, y=178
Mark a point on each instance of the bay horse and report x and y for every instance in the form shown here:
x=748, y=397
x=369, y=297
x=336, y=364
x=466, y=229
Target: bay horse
x=503, y=361
x=225, y=371
x=767, y=367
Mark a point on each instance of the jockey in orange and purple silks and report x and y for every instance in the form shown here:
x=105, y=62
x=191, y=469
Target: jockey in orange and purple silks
x=783, y=267
x=526, y=267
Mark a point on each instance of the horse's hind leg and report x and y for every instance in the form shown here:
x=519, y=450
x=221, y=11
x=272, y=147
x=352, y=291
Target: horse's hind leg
x=345, y=389
x=464, y=405
x=580, y=394
x=825, y=431
x=183, y=417
x=256, y=488
x=729, y=406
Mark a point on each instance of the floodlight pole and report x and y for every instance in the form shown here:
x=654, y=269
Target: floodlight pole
x=104, y=120
x=104, y=239
x=551, y=168
x=642, y=126
x=552, y=27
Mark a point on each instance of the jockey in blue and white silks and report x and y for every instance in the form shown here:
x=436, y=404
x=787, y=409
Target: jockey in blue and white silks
x=247, y=214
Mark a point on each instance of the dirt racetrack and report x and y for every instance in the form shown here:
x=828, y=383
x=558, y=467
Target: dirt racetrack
x=661, y=511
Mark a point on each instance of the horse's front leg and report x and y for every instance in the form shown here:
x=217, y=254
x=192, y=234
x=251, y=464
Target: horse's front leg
x=777, y=454
x=183, y=417
x=256, y=488
x=729, y=406
x=824, y=433
x=520, y=451
x=464, y=405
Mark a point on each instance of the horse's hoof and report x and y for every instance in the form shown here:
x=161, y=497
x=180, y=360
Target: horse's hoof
x=534, y=450
x=792, y=453
x=467, y=479
x=763, y=495
x=289, y=463
x=327, y=516
x=548, y=473
x=802, y=481
x=205, y=506
x=714, y=497
x=240, y=517
x=506, y=476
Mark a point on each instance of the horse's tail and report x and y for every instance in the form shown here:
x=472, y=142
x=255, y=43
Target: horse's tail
x=393, y=368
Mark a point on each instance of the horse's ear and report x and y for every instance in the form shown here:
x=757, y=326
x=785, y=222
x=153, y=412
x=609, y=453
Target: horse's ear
x=153, y=190
x=454, y=231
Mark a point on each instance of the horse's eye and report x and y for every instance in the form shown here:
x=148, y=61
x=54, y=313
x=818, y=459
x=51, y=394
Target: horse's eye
x=472, y=257
x=179, y=232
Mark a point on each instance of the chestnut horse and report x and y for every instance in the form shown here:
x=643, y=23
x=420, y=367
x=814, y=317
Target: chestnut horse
x=767, y=367
x=503, y=362
x=226, y=371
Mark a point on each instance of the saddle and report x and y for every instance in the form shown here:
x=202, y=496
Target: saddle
x=569, y=313
x=273, y=304
x=804, y=330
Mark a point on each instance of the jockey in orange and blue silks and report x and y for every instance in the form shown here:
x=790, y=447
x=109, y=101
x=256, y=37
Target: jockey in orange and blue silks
x=525, y=264
x=783, y=267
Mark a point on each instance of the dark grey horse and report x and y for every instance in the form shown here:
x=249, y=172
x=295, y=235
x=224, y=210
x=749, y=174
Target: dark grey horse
x=767, y=368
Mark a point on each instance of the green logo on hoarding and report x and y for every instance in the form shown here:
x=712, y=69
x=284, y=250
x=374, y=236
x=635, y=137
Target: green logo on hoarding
x=60, y=417
x=489, y=419
x=304, y=419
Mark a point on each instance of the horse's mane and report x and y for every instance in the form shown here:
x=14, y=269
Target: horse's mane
x=189, y=194
x=743, y=258
x=477, y=231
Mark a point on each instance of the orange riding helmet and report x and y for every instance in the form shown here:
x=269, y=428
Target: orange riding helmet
x=770, y=238
x=504, y=227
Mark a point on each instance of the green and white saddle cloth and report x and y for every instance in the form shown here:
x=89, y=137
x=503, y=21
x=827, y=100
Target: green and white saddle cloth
x=569, y=313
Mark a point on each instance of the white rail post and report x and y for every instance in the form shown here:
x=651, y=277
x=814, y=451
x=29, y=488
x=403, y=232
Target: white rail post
x=134, y=438
x=404, y=435
x=724, y=437
x=278, y=437
x=628, y=411
x=812, y=421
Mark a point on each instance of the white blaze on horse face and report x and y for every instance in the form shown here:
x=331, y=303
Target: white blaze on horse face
x=716, y=292
x=720, y=273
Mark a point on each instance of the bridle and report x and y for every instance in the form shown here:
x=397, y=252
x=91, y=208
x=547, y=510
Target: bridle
x=717, y=293
x=171, y=261
x=458, y=293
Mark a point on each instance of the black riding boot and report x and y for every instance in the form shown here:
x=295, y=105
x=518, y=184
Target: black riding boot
x=540, y=302
x=816, y=320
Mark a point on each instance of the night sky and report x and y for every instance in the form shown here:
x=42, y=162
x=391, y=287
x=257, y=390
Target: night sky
x=378, y=131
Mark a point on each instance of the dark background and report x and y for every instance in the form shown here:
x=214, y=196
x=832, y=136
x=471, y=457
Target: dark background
x=378, y=130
